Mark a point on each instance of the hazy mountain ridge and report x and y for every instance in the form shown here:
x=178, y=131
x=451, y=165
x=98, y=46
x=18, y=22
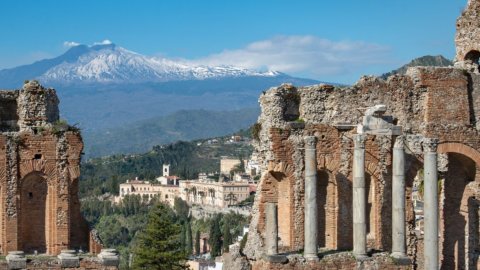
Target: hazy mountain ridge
x=185, y=125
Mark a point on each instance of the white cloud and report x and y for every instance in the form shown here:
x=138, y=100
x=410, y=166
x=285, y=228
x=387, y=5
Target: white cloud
x=70, y=43
x=308, y=55
x=104, y=42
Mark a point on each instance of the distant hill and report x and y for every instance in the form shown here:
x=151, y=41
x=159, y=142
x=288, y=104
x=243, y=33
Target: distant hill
x=428, y=60
x=183, y=125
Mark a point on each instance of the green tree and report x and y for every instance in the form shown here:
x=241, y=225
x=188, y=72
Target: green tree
x=181, y=208
x=215, y=240
x=158, y=246
x=183, y=235
x=227, y=237
x=197, y=243
x=189, y=238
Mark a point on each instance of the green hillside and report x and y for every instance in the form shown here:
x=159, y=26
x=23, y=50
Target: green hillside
x=183, y=125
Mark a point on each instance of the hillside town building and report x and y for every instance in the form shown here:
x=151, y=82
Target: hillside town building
x=340, y=166
x=216, y=194
x=148, y=190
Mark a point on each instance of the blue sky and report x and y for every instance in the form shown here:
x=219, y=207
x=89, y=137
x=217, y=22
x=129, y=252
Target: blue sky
x=327, y=40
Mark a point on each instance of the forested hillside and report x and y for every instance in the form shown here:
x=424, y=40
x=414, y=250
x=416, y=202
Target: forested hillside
x=139, y=137
x=187, y=159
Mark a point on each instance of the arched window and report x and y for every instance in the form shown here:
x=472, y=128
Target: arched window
x=473, y=56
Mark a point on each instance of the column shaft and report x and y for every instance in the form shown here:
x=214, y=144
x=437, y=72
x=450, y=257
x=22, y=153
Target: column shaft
x=398, y=200
x=359, y=198
x=271, y=228
x=311, y=223
x=431, y=204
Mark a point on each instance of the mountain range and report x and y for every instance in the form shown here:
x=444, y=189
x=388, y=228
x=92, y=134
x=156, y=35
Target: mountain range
x=126, y=102
x=105, y=85
x=109, y=63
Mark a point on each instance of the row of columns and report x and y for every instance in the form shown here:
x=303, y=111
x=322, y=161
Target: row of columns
x=359, y=203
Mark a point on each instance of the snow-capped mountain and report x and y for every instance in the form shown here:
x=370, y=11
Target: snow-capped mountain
x=105, y=86
x=109, y=63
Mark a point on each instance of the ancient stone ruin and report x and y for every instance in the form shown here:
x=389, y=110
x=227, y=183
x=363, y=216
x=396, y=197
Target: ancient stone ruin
x=39, y=172
x=345, y=168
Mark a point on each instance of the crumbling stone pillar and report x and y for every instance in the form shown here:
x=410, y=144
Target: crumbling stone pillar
x=359, y=198
x=398, y=200
x=271, y=235
x=311, y=215
x=431, y=203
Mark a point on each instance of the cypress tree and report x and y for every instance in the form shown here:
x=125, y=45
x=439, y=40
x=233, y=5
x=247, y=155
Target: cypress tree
x=197, y=243
x=215, y=240
x=183, y=236
x=227, y=237
x=189, y=238
x=158, y=245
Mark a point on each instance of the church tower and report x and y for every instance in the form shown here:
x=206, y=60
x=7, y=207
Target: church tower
x=166, y=170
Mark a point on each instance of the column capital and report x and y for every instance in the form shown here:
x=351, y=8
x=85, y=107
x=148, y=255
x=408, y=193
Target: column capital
x=359, y=140
x=430, y=144
x=399, y=142
x=310, y=142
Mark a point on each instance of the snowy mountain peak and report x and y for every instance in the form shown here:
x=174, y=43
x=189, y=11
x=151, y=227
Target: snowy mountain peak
x=109, y=63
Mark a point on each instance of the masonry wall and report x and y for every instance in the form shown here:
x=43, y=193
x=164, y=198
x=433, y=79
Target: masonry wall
x=441, y=103
x=39, y=172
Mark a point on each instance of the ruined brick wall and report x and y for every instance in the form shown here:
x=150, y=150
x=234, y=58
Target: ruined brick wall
x=343, y=261
x=39, y=171
x=432, y=102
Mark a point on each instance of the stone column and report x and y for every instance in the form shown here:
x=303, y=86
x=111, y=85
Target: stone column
x=430, y=203
x=359, y=198
x=398, y=200
x=271, y=228
x=311, y=215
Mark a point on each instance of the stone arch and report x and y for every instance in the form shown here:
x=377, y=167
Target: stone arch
x=457, y=213
x=327, y=209
x=277, y=187
x=373, y=174
x=472, y=55
x=460, y=148
x=34, y=213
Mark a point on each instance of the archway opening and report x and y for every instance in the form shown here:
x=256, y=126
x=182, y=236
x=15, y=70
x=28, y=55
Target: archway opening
x=284, y=207
x=459, y=214
x=277, y=189
x=33, y=213
x=326, y=206
x=473, y=56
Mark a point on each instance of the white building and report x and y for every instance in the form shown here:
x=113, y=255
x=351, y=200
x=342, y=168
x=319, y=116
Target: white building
x=217, y=194
x=147, y=190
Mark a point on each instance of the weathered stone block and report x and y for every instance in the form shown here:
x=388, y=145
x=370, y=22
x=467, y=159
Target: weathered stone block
x=109, y=257
x=16, y=260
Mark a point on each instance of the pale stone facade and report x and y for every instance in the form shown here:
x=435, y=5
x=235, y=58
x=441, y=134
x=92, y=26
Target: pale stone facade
x=211, y=193
x=147, y=190
x=227, y=164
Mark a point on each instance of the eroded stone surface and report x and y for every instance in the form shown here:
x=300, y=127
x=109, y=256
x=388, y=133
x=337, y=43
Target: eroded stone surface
x=39, y=170
x=427, y=102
